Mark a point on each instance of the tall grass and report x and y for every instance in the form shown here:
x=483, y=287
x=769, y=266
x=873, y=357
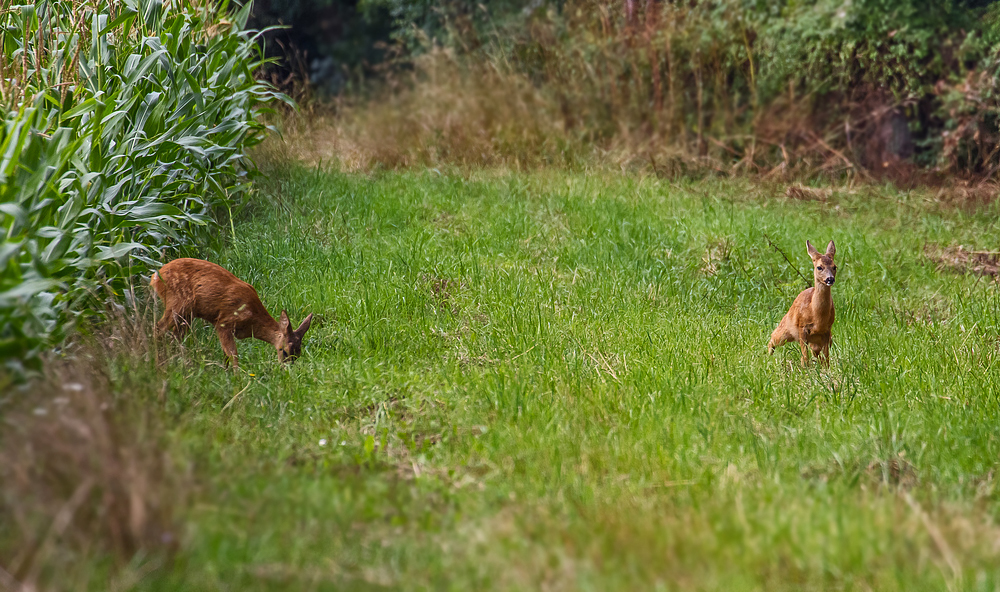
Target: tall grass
x=559, y=381
x=125, y=127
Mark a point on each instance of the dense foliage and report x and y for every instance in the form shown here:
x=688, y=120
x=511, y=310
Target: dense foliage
x=327, y=42
x=125, y=125
x=865, y=83
x=869, y=86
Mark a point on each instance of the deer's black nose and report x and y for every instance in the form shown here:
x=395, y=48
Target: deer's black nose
x=829, y=281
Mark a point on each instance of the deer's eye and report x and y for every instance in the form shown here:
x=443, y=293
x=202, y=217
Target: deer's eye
x=835, y=268
x=819, y=268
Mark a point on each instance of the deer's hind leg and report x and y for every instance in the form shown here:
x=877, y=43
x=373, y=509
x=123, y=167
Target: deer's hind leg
x=177, y=323
x=173, y=320
x=780, y=336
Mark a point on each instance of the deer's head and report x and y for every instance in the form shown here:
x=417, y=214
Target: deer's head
x=824, y=269
x=289, y=344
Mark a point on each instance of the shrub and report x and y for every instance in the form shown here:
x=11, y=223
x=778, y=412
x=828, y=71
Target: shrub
x=864, y=87
x=125, y=127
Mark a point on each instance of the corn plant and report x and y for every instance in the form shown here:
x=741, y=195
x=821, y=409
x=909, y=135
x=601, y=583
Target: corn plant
x=126, y=124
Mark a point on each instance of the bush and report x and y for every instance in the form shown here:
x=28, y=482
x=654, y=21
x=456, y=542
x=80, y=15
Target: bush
x=123, y=143
x=869, y=87
x=748, y=81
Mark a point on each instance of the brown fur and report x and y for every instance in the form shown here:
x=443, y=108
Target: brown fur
x=809, y=321
x=193, y=288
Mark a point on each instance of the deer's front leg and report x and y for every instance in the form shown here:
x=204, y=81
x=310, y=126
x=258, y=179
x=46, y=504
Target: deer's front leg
x=805, y=351
x=227, y=338
x=817, y=350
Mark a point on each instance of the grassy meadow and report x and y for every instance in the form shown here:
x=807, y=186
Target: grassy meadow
x=559, y=381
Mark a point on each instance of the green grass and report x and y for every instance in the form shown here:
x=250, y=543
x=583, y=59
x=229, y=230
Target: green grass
x=560, y=381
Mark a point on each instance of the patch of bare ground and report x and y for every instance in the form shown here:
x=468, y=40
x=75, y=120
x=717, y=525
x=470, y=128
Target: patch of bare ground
x=969, y=192
x=961, y=260
x=896, y=472
x=802, y=193
x=441, y=290
x=329, y=572
x=925, y=311
x=717, y=252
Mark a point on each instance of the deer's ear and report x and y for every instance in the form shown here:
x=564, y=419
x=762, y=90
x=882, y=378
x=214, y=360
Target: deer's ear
x=831, y=249
x=304, y=326
x=283, y=322
x=812, y=250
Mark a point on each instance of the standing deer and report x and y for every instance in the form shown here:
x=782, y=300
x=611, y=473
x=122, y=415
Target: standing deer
x=194, y=288
x=810, y=319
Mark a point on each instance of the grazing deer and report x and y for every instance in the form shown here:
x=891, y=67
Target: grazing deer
x=194, y=288
x=810, y=319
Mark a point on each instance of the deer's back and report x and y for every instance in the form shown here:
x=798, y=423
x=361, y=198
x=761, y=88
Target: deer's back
x=205, y=290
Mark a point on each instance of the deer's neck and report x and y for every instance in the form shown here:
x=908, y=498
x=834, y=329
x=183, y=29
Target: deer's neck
x=822, y=300
x=265, y=328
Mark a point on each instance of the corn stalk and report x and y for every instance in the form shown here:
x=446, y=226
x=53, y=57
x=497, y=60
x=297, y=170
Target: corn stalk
x=126, y=124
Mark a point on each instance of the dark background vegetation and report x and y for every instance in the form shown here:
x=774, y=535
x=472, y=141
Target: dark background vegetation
x=871, y=87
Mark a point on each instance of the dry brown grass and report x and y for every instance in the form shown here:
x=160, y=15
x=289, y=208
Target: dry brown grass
x=803, y=193
x=961, y=260
x=447, y=112
x=84, y=474
x=469, y=112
